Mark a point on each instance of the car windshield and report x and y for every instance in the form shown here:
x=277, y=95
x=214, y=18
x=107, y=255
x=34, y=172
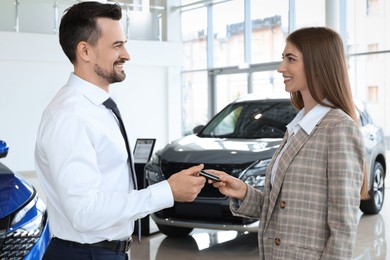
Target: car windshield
x=251, y=120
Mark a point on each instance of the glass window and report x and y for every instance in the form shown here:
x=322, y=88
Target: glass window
x=368, y=52
x=373, y=92
x=314, y=17
x=251, y=119
x=228, y=27
x=44, y=16
x=373, y=7
x=227, y=125
x=361, y=23
x=269, y=29
x=230, y=87
x=369, y=80
x=269, y=84
x=195, y=100
x=194, y=38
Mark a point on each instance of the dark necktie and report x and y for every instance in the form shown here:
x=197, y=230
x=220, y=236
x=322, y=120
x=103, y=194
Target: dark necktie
x=110, y=104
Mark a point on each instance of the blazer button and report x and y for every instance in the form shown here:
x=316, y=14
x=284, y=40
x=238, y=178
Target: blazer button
x=282, y=204
x=277, y=241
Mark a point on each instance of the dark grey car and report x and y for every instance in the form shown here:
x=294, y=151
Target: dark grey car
x=241, y=140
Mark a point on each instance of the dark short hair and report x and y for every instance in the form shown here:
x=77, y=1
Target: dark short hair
x=79, y=24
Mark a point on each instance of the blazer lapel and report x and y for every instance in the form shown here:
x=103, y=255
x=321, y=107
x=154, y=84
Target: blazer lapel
x=297, y=141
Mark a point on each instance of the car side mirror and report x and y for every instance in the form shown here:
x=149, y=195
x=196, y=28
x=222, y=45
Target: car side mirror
x=197, y=129
x=3, y=149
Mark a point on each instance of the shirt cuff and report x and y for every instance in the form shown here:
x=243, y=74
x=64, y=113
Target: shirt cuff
x=162, y=193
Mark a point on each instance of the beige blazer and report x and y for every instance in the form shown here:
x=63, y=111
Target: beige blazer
x=311, y=211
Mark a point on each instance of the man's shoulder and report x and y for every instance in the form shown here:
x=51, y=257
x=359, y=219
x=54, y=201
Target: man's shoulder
x=65, y=98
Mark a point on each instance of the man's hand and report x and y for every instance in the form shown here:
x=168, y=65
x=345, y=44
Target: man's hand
x=186, y=184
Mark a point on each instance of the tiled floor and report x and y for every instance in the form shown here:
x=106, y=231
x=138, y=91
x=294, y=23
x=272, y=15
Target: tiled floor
x=373, y=234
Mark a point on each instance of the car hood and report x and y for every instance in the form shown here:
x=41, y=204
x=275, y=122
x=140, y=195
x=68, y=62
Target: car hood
x=194, y=149
x=14, y=191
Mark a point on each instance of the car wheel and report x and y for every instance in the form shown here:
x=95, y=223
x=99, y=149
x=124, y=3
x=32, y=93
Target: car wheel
x=174, y=231
x=377, y=192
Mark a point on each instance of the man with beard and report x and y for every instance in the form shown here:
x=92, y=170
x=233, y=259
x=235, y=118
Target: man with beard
x=83, y=160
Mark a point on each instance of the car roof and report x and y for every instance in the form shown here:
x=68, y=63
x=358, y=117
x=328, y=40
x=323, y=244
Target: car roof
x=255, y=97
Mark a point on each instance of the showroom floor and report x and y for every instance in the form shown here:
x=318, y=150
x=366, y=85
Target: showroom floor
x=373, y=234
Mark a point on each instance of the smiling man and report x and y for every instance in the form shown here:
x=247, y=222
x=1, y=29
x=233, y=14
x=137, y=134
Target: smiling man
x=83, y=160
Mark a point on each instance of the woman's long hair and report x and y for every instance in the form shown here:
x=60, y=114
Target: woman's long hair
x=326, y=74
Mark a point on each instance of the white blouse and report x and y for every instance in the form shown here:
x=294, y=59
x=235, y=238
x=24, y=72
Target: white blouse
x=301, y=121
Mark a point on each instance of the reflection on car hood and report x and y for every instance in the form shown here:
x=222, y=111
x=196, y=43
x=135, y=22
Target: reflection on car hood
x=194, y=149
x=14, y=191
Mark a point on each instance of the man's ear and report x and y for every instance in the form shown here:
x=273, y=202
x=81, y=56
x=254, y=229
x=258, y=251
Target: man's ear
x=83, y=51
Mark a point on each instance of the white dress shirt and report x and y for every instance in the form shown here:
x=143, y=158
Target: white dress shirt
x=81, y=163
x=301, y=121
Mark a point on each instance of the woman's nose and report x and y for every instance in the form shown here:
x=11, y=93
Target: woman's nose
x=280, y=68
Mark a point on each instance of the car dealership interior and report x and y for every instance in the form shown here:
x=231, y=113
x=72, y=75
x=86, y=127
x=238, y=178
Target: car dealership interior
x=189, y=60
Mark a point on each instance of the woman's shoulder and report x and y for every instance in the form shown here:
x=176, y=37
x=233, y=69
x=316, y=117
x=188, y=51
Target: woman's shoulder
x=337, y=114
x=337, y=118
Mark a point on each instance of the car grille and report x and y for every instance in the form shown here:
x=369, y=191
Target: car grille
x=17, y=248
x=17, y=244
x=169, y=168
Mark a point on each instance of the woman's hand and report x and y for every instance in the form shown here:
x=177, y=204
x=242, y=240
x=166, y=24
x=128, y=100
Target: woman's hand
x=229, y=185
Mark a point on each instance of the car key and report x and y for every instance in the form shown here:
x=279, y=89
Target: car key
x=209, y=176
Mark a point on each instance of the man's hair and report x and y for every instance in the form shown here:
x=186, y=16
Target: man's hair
x=79, y=24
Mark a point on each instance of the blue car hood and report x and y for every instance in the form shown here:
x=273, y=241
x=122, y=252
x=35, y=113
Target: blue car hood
x=14, y=191
x=196, y=149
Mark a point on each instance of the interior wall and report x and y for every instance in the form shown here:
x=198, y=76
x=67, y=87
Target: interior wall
x=33, y=68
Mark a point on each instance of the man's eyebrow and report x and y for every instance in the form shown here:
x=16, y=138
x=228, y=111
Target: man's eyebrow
x=119, y=42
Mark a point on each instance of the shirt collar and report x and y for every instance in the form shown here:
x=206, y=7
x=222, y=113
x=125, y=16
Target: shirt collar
x=309, y=121
x=92, y=92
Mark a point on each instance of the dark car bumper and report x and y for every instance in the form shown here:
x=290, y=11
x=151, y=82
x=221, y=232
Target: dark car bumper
x=210, y=213
x=197, y=223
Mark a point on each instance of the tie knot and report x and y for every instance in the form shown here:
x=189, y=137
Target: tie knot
x=109, y=103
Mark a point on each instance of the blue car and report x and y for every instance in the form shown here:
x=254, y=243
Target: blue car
x=24, y=229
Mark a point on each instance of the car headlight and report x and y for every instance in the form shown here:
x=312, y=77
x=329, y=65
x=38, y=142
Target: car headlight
x=153, y=176
x=152, y=172
x=155, y=160
x=19, y=216
x=255, y=174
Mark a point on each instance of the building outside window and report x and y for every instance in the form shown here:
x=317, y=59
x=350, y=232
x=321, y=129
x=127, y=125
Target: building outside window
x=369, y=56
x=244, y=48
x=235, y=38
